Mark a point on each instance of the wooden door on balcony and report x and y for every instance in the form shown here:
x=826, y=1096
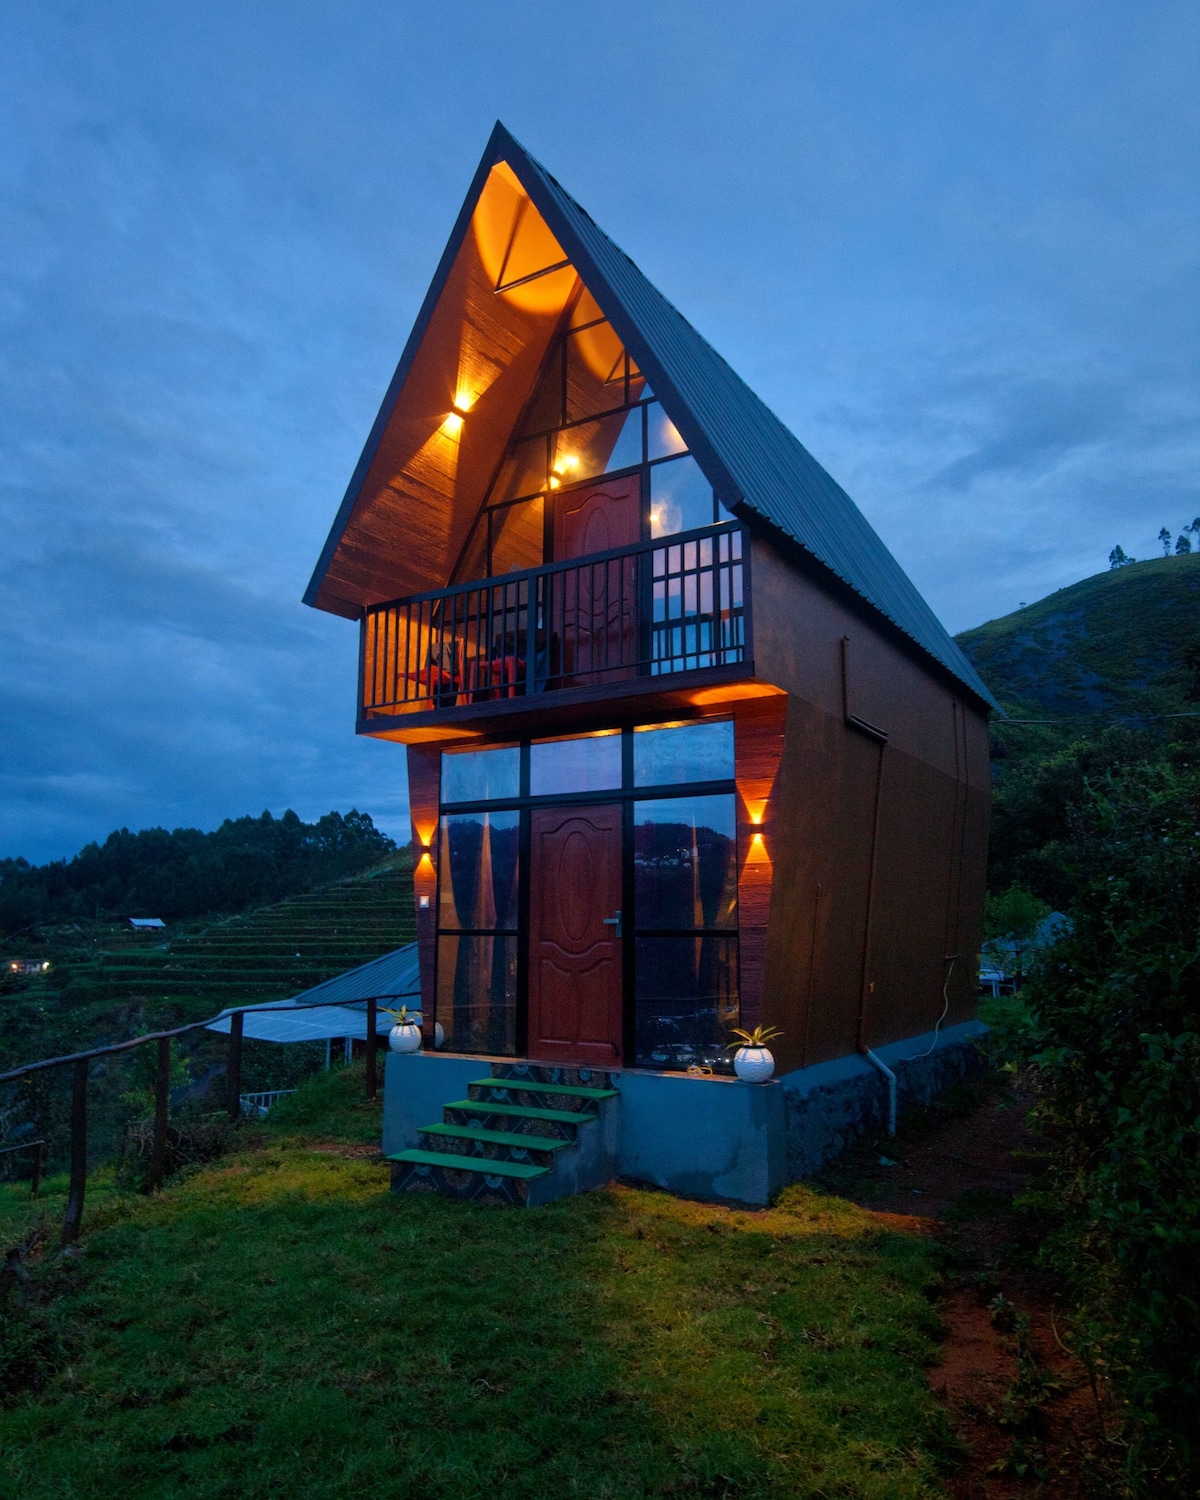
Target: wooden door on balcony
x=575, y=990
x=594, y=612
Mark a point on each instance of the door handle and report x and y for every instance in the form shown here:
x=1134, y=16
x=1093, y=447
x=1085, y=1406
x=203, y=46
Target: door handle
x=614, y=922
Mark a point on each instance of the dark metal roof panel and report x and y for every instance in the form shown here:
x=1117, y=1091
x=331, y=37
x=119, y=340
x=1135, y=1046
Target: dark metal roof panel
x=771, y=471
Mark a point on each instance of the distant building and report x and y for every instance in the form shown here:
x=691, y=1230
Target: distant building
x=28, y=965
x=146, y=924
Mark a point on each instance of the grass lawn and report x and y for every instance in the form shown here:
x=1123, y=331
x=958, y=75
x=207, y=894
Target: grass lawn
x=279, y=1323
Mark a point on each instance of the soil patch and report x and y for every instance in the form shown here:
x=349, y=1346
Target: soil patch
x=1019, y=1400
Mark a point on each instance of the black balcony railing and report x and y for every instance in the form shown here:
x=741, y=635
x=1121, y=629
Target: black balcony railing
x=673, y=605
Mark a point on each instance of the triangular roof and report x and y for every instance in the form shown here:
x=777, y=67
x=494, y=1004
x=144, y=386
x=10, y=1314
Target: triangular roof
x=759, y=467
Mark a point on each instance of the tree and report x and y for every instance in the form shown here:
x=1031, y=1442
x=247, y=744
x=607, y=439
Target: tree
x=1117, y=558
x=1011, y=923
x=1183, y=546
x=1164, y=537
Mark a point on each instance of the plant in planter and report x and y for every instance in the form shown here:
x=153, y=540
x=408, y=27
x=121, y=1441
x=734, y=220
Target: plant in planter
x=405, y=1035
x=752, y=1061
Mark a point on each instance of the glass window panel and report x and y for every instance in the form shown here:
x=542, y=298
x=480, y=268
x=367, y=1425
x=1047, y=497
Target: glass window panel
x=523, y=472
x=592, y=448
x=588, y=763
x=595, y=371
x=546, y=410
x=476, y=1002
x=646, y=393
x=662, y=436
x=587, y=310
x=683, y=752
x=680, y=497
x=478, y=870
x=474, y=559
x=517, y=536
x=723, y=514
x=685, y=862
x=687, y=1001
x=481, y=775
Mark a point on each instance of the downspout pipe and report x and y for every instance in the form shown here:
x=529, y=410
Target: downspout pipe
x=891, y=1083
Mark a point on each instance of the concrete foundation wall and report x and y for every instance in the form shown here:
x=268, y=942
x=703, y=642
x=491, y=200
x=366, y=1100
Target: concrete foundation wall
x=716, y=1139
x=830, y=1105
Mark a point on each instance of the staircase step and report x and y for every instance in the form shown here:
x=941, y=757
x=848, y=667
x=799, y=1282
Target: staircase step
x=484, y=1164
x=530, y=1086
x=523, y=1111
x=497, y=1137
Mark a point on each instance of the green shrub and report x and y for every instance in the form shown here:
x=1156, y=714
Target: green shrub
x=1115, y=1047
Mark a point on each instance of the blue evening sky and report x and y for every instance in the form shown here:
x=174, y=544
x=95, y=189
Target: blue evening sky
x=953, y=245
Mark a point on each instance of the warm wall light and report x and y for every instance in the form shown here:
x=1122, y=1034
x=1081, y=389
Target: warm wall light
x=453, y=424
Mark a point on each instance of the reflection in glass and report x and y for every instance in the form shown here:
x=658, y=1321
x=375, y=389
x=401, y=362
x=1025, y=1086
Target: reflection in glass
x=481, y=775
x=477, y=993
x=662, y=436
x=683, y=752
x=586, y=310
x=480, y=855
x=687, y=999
x=600, y=447
x=546, y=410
x=685, y=862
x=595, y=371
x=589, y=763
x=680, y=497
x=518, y=532
x=523, y=472
x=474, y=563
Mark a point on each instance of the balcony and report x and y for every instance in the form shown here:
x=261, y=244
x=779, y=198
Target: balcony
x=606, y=621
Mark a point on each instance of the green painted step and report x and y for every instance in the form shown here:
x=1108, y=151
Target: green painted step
x=523, y=1111
x=496, y=1137
x=543, y=1088
x=483, y=1164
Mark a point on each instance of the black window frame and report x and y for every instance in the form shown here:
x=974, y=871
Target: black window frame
x=627, y=794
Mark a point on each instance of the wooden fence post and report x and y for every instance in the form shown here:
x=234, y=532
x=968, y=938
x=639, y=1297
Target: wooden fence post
x=74, y=1216
x=372, y=1074
x=162, y=1101
x=233, y=1072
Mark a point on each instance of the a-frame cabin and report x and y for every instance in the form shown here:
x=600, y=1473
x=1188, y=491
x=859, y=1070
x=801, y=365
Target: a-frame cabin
x=687, y=751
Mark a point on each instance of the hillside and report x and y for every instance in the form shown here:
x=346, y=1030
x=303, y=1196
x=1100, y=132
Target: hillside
x=105, y=984
x=1126, y=641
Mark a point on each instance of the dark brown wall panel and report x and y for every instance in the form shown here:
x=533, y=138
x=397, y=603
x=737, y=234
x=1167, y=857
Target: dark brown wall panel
x=759, y=749
x=882, y=847
x=424, y=768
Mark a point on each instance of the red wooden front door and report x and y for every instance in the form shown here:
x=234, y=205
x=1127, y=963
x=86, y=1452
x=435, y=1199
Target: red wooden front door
x=575, y=1011
x=595, y=612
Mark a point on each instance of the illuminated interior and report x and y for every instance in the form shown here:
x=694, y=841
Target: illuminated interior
x=519, y=388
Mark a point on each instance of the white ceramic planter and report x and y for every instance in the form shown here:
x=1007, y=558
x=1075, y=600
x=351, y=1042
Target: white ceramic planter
x=406, y=1038
x=753, y=1064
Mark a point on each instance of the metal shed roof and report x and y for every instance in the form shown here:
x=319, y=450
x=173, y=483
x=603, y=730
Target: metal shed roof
x=310, y=1017
x=762, y=468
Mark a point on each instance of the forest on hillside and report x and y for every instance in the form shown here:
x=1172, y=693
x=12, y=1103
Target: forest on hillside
x=1096, y=813
x=185, y=873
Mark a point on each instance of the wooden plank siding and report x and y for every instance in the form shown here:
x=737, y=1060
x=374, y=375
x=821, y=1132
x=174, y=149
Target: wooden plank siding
x=880, y=854
x=424, y=780
x=758, y=740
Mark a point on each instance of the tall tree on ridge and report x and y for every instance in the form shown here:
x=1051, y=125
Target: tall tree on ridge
x=1164, y=537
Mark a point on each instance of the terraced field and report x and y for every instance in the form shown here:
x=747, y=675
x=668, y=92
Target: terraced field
x=265, y=954
x=105, y=985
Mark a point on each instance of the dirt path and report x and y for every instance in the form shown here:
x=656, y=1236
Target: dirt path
x=1021, y=1403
